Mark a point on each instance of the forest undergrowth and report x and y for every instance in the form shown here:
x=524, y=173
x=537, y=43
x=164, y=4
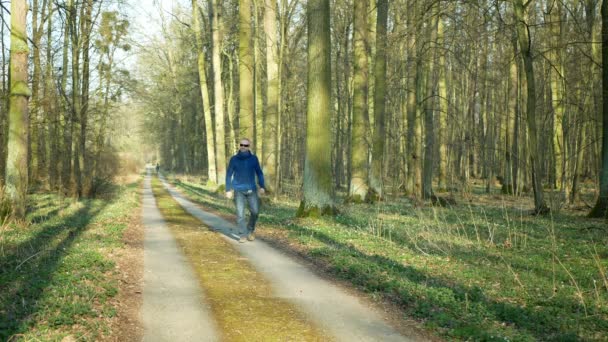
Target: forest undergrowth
x=484, y=269
x=58, y=275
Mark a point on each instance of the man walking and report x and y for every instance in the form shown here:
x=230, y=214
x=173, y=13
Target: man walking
x=240, y=185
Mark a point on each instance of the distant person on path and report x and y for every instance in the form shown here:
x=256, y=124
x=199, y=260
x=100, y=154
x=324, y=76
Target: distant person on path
x=240, y=185
x=157, y=168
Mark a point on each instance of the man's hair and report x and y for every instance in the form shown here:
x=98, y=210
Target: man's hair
x=245, y=139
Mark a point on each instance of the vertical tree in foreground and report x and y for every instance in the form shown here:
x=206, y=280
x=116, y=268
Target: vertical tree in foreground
x=246, y=119
x=220, y=130
x=377, y=170
x=601, y=206
x=202, y=76
x=272, y=113
x=318, y=190
x=16, y=178
x=359, y=155
x=524, y=39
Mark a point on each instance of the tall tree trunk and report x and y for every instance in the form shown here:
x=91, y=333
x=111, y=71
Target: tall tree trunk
x=414, y=131
x=86, y=31
x=220, y=133
x=3, y=106
x=272, y=115
x=429, y=120
x=76, y=108
x=68, y=117
x=443, y=110
x=16, y=178
x=317, y=189
x=49, y=95
x=377, y=172
x=601, y=206
x=231, y=105
x=508, y=183
x=37, y=121
x=526, y=51
x=246, y=86
x=258, y=75
x=202, y=76
x=554, y=10
x=359, y=155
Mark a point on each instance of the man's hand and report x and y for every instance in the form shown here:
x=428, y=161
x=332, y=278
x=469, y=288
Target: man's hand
x=261, y=191
x=229, y=194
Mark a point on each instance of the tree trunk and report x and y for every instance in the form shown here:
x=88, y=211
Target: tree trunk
x=272, y=93
x=49, y=96
x=443, y=111
x=37, y=122
x=524, y=42
x=86, y=31
x=317, y=189
x=258, y=81
x=359, y=156
x=246, y=86
x=4, y=106
x=76, y=105
x=202, y=74
x=429, y=120
x=377, y=171
x=220, y=133
x=554, y=10
x=512, y=114
x=601, y=206
x=16, y=178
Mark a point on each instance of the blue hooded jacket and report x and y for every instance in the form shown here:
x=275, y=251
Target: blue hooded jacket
x=241, y=172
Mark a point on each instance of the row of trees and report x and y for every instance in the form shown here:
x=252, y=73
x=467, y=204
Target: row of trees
x=64, y=83
x=418, y=96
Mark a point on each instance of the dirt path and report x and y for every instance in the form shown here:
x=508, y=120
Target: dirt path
x=173, y=306
x=338, y=312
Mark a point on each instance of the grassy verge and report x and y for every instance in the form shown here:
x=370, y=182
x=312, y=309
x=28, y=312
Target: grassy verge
x=240, y=298
x=472, y=272
x=57, y=276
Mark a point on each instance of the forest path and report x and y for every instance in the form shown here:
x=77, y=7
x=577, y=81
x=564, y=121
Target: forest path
x=341, y=314
x=172, y=309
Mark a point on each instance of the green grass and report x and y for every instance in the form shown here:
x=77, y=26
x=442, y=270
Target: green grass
x=473, y=272
x=56, y=274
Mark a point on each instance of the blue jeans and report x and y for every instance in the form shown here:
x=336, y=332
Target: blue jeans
x=250, y=197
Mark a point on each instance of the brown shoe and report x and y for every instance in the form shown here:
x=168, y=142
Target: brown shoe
x=242, y=239
x=251, y=236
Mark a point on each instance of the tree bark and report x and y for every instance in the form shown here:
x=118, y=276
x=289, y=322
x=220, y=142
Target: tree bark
x=601, y=206
x=554, y=10
x=272, y=94
x=429, y=120
x=317, y=189
x=443, y=111
x=220, y=133
x=377, y=171
x=359, y=156
x=49, y=101
x=209, y=135
x=68, y=120
x=16, y=177
x=246, y=86
x=524, y=42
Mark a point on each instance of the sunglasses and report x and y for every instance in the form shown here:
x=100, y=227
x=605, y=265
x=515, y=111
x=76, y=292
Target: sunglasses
x=244, y=145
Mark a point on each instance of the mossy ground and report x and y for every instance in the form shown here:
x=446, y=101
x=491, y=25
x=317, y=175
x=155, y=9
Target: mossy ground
x=57, y=272
x=241, y=299
x=483, y=270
